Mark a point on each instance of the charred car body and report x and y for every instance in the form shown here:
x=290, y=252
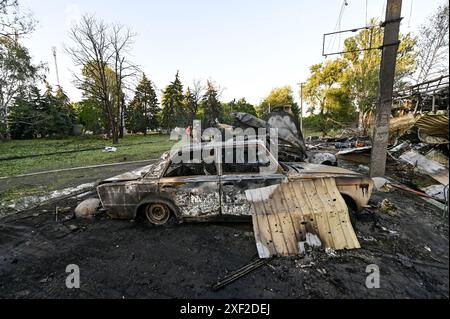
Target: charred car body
x=213, y=188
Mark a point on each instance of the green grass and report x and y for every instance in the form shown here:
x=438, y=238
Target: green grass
x=129, y=149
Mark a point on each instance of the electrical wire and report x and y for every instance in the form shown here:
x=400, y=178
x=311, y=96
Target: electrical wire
x=338, y=25
x=367, y=3
x=410, y=14
x=383, y=13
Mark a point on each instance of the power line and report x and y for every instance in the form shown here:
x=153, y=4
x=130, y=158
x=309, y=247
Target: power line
x=338, y=25
x=383, y=11
x=410, y=14
x=367, y=2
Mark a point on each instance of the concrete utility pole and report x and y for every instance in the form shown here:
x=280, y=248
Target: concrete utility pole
x=387, y=71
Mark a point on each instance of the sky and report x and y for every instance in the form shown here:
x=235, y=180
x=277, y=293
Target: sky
x=247, y=47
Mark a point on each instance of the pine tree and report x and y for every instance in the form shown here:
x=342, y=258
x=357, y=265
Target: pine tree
x=173, y=112
x=211, y=105
x=143, y=110
x=191, y=105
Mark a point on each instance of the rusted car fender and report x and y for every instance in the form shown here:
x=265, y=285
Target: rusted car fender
x=358, y=189
x=153, y=198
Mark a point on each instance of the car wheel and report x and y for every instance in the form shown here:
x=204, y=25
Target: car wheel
x=157, y=214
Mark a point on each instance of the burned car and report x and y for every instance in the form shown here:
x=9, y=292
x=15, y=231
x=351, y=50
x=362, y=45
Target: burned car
x=213, y=188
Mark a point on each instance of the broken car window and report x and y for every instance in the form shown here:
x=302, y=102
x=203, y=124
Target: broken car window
x=191, y=168
x=243, y=160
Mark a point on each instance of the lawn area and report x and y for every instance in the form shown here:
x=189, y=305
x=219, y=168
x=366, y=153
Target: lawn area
x=131, y=148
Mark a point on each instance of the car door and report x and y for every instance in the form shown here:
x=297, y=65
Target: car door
x=193, y=187
x=240, y=175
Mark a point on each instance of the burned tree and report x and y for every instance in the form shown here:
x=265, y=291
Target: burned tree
x=101, y=49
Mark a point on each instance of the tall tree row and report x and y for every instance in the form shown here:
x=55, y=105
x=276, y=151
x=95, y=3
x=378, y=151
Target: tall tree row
x=173, y=111
x=143, y=110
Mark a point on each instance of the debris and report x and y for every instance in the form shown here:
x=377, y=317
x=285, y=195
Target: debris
x=407, y=189
x=357, y=155
x=322, y=271
x=323, y=159
x=73, y=227
x=322, y=220
x=330, y=252
x=110, y=149
x=387, y=207
x=437, y=156
x=380, y=184
x=439, y=192
x=87, y=208
x=434, y=169
x=433, y=128
x=288, y=132
x=253, y=265
x=363, y=168
x=399, y=147
x=389, y=231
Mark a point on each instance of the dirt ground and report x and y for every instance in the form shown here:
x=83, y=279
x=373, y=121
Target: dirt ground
x=123, y=259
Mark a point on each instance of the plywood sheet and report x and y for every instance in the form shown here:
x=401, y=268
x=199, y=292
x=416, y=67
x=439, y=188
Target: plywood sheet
x=289, y=216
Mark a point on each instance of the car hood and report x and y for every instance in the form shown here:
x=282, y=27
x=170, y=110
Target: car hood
x=307, y=169
x=129, y=176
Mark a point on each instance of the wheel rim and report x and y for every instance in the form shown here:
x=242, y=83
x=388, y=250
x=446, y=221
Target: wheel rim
x=157, y=214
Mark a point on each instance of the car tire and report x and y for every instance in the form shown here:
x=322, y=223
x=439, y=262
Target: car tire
x=353, y=214
x=352, y=211
x=157, y=213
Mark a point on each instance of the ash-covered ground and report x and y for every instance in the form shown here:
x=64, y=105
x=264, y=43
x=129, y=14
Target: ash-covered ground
x=123, y=259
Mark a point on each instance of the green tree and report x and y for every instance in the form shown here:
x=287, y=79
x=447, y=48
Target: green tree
x=143, y=110
x=324, y=93
x=240, y=105
x=111, y=105
x=34, y=115
x=211, y=107
x=361, y=74
x=173, y=112
x=17, y=74
x=191, y=104
x=354, y=77
x=281, y=97
x=90, y=115
x=25, y=117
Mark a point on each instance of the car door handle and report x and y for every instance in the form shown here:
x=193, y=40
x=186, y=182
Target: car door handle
x=228, y=184
x=167, y=187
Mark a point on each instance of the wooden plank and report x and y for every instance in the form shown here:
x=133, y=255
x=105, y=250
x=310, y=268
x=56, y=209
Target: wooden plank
x=343, y=215
x=331, y=215
x=285, y=222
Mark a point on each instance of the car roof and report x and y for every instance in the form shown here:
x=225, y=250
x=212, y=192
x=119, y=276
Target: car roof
x=228, y=143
